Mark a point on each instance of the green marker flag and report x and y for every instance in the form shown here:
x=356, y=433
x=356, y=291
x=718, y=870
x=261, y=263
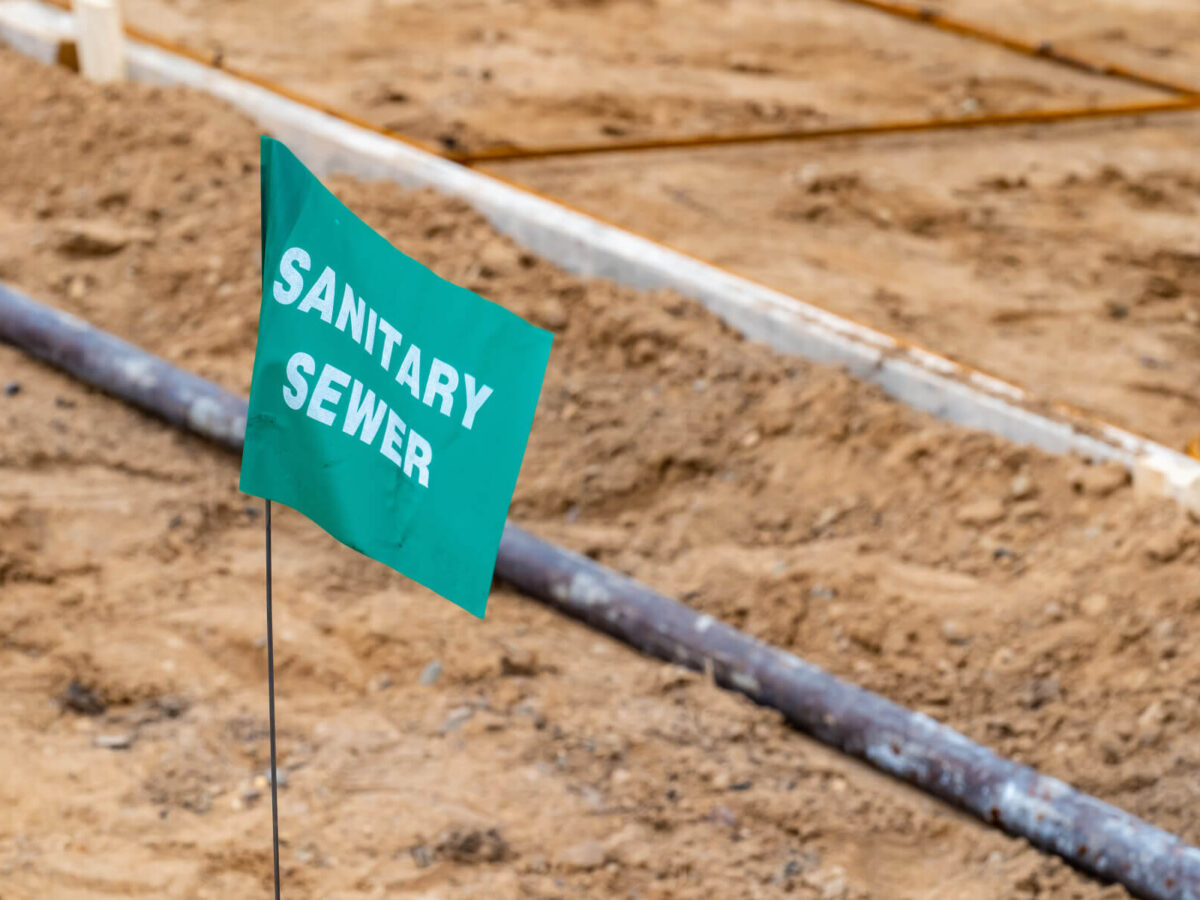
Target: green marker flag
x=389, y=406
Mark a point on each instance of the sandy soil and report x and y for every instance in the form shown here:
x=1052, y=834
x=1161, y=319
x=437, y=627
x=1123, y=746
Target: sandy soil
x=1161, y=37
x=469, y=73
x=1061, y=259
x=1035, y=603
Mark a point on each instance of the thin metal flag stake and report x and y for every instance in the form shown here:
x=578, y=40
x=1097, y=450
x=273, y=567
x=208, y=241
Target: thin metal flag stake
x=271, y=707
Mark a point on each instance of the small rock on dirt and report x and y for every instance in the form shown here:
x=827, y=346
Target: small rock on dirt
x=473, y=845
x=457, y=718
x=1164, y=547
x=518, y=661
x=79, y=698
x=1110, y=740
x=631, y=846
x=551, y=314
x=171, y=706
x=585, y=856
x=827, y=517
x=829, y=883
x=97, y=238
x=981, y=512
x=1027, y=510
x=496, y=256
x=723, y=815
x=1039, y=692
x=953, y=633
x=1094, y=605
x=1022, y=487
x=670, y=677
x=381, y=683
x=1099, y=480
x=12, y=388
x=423, y=855
x=431, y=673
x=113, y=741
x=779, y=410
x=1150, y=724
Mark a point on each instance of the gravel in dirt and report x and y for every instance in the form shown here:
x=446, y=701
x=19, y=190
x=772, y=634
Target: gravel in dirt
x=1055, y=622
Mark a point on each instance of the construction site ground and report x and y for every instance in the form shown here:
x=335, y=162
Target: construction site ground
x=1063, y=258
x=1037, y=604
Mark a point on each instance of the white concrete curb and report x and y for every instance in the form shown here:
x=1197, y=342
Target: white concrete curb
x=588, y=247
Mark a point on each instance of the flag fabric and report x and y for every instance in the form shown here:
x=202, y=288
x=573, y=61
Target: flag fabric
x=388, y=405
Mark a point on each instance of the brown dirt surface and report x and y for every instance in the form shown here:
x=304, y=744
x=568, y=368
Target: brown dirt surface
x=469, y=74
x=1036, y=603
x=1159, y=37
x=1062, y=259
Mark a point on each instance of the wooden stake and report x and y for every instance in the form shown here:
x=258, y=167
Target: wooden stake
x=101, y=40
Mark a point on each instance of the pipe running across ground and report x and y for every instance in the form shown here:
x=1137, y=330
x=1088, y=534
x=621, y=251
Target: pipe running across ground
x=1092, y=835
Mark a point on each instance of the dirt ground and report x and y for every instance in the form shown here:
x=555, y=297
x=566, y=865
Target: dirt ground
x=1063, y=259
x=467, y=73
x=1038, y=604
x=1161, y=37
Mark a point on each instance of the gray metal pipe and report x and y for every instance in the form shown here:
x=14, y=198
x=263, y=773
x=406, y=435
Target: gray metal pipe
x=1094, y=836
x=1090, y=834
x=113, y=365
